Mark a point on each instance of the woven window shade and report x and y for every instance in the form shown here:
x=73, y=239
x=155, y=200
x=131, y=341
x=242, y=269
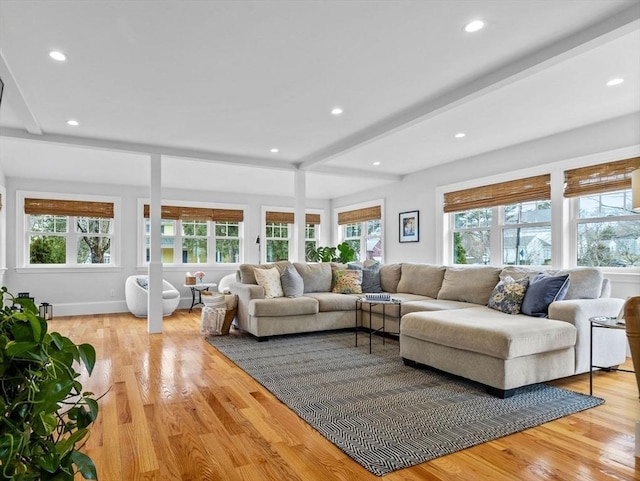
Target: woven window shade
x=504, y=193
x=600, y=178
x=360, y=215
x=312, y=219
x=68, y=207
x=228, y=215
x=289, y=217
x=284, y=217
x=172, y=212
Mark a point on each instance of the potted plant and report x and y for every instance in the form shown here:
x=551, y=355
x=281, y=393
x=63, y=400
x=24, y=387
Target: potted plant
x=45, y=413
x=328, y=254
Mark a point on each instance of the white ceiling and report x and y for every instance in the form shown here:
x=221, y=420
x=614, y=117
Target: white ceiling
x=214, y=85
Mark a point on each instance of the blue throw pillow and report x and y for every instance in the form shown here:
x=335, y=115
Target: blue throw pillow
x=370, y=277
x=542, y=291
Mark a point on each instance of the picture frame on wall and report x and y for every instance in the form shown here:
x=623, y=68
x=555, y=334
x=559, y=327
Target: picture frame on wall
x=409, y=226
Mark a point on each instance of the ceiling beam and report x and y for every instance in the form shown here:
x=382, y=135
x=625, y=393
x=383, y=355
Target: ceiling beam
x=346, y=172
x=140, y=148
x=587, y=39
x=14, y=96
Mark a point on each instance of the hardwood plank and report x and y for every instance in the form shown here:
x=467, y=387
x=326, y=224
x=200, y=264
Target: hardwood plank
x=175, y=409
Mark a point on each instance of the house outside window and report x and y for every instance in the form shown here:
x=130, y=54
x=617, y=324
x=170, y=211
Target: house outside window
x=607, y=229
x=189, y=235
x=68, y=232
x=362, y=230
x=508, y=223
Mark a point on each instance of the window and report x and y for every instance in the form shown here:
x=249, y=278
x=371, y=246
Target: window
x=472, y=236
x=68, y=232
x=279, y=229
x=362, y=230
x=509, y=222
x=227, y=240
x=189, y=235
x=607, y=229
x=277, y=246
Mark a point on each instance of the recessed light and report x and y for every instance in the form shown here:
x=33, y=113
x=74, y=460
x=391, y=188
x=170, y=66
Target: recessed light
x=460, y=135
x=614, y=81
x=474, y=26
x=336, y=111
x=73, y=123
x=376, y=162
x=274, y=150
x=59, y=56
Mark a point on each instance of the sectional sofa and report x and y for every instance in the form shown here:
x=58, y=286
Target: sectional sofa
x=443, y=318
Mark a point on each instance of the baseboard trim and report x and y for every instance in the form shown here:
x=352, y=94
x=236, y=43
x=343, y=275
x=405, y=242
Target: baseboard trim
x=101, y=307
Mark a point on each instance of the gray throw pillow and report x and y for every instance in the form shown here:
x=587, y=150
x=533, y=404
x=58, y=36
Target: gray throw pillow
x=370, y=277
x=292, y=283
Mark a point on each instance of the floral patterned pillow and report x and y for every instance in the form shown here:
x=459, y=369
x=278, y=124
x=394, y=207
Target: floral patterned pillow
x=347, y=281
x=508, y=295
x=269, y=279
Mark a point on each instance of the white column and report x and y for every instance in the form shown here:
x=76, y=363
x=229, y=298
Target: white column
x=154, y=311
x=300, y=215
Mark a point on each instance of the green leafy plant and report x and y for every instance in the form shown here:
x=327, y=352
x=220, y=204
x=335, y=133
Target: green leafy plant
x=45, y=413
x=328, y=254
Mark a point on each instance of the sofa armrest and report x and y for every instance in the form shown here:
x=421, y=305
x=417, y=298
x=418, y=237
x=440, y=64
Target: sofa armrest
x=245, y=293
x=609, y=347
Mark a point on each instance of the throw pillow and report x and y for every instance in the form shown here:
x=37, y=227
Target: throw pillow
x=370, y=276
x=508, y=295
x=269, y=280
x=292, y=283
x=143, y=282
x=542, y=291
x=347, y=281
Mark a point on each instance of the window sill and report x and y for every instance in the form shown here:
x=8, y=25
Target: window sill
x=71, y=269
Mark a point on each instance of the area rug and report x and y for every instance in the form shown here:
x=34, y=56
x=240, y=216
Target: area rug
x=383, y=414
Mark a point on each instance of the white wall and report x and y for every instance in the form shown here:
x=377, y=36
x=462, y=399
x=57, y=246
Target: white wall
x=612, y=140
x=94, y=291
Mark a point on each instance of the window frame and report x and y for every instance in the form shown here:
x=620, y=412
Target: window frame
x=341, y=234
x=23, y=234
x=177, y=264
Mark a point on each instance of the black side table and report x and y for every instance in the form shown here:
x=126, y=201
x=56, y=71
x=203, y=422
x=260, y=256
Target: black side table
x=601, y=323
x=363, y=300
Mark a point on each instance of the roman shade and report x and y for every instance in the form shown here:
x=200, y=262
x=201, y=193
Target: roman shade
x=289, y=217
x=172, y=212
x=77, y=208
x=504, y=193
x=360, y=215
x=600, y=178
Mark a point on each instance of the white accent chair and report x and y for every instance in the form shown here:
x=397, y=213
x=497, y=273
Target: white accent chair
x=137, y=294
x=225, y=282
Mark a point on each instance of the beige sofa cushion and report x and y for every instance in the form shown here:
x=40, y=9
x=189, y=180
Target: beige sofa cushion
x=422, y=279
x=469, y=284
x=247, y=275
x=283, y=306
x=330, y=301
x=316, y=277
x=390, y=276
x=490, y=332
x=584, y=282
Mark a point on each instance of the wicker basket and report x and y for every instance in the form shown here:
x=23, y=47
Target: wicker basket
x=190, y=280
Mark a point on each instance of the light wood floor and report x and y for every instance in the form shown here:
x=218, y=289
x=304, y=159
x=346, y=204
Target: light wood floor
x=176, y=409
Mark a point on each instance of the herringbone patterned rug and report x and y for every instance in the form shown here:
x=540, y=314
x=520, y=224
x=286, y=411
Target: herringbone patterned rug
x=383, y=414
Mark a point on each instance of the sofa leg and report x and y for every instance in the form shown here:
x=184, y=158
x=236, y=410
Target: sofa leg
x=500, y=393
x=262, y=339
x=409, y=362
